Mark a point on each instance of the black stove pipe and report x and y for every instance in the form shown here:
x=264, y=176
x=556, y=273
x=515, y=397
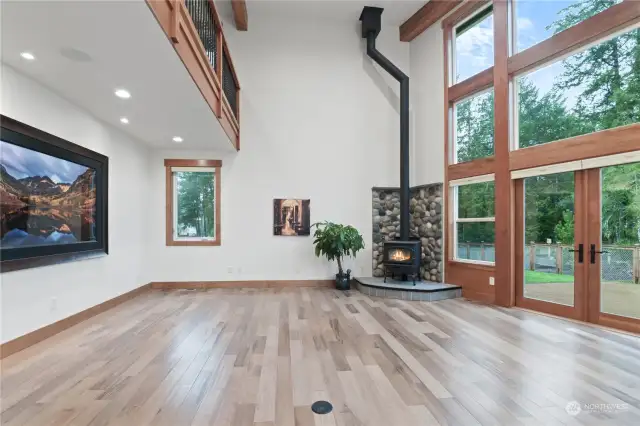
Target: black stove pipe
x=371, y=23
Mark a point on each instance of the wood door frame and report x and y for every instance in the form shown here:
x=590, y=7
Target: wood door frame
x=579, y=309
x=594, y=230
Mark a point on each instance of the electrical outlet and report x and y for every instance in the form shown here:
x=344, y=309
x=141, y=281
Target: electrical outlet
x=230, y=270
x=492, y=281
x=54, y=304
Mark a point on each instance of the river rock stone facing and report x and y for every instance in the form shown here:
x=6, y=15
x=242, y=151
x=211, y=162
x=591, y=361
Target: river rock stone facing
x=426, y=223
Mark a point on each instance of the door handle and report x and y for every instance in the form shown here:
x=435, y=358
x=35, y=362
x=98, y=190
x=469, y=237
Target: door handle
x=580, y=253
x=593, y=253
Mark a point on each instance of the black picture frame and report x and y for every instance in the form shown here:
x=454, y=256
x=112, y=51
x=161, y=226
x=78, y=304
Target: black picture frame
x=23, y=135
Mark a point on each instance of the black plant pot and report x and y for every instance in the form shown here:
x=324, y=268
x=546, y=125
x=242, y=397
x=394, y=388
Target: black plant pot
x=343, y=282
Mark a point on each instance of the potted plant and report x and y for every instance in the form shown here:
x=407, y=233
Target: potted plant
x=335, y=241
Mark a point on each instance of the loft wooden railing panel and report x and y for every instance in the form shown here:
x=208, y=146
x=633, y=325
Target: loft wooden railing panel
x=195, y=29
x=230, y=92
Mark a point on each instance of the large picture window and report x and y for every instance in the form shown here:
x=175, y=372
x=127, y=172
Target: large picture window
x=592, y=90
x=474, y=127
x=473, y=45
x=193, y=202
x=536, y=20
x=474, y=217
x=543, y=96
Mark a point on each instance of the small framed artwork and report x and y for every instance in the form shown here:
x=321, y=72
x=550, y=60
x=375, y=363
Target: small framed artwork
x=291, y=217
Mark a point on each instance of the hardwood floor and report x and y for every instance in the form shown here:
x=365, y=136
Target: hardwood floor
x=263, y=356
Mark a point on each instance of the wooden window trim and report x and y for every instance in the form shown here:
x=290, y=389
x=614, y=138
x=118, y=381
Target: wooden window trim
x=459, y=91
x=428, y=15
x=591, y=30
x=504, y=188
x=481, y=166
x=451, y=191
x=168, y=164
x=472, y=85
x=618, y=140
x=489, y=267
x=478, y=82
x=607, y=142
x=465, y=10
x=610, y=21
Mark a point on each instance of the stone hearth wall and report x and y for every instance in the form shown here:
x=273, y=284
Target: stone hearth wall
x=426, y=223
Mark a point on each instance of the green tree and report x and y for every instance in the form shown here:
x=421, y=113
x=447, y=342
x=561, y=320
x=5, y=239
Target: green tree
x=565, y=229
x=195, y=204
x=545, y=118
x=606, y=74
x=621, y=204
x=474, y=127
x=605, y=81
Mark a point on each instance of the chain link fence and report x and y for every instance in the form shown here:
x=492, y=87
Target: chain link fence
x=619, y=264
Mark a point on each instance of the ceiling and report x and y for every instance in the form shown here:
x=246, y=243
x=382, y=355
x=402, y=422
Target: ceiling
x=86, y=49
x=395, y=11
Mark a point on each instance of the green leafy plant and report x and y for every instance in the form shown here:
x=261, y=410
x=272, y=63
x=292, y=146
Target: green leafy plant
x=335, y=241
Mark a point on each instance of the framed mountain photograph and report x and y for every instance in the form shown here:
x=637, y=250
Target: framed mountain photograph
x=291, y=217
x=53, y=198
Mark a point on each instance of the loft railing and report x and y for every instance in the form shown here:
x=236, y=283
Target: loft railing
x=229, y=84
x=203, y=16
x=196, y=32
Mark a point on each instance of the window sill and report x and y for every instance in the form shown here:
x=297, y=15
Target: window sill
x=197, y=243
x=477, y=264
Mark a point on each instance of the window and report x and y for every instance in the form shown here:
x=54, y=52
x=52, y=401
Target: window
x=474, y=215
x=474, y=127
x=473, y=45
x=536, y=21
x=193, y=202
x=592, y=90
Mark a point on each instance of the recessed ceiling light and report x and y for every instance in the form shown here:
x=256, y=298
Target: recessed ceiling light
x=75, y=55
x=28, y=56
x=124, y=120
x=177, y=139
x=121, y=93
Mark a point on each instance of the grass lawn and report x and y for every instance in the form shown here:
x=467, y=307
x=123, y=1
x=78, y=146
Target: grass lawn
x=532, y=277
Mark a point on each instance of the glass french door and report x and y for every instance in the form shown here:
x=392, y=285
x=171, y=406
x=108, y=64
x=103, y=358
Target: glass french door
x=551, y=273
x=613, y=253
x=578, y=244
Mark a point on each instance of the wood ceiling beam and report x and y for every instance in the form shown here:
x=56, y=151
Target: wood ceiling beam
x=240, y=15
x=428, y=15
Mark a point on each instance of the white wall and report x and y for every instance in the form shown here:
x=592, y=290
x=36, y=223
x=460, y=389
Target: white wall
x=319, y=121
x=427, y=99
x=26, y=296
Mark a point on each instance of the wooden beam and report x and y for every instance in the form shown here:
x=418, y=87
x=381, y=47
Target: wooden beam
x=428, y=15
x=505, y=214
x=240, y=15
x=448, y=133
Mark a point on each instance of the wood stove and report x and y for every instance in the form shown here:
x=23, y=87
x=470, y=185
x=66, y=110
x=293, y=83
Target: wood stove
x=402, y=260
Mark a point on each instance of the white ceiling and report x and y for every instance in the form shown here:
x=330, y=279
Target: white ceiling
x=395, y=11
x=128, y=49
